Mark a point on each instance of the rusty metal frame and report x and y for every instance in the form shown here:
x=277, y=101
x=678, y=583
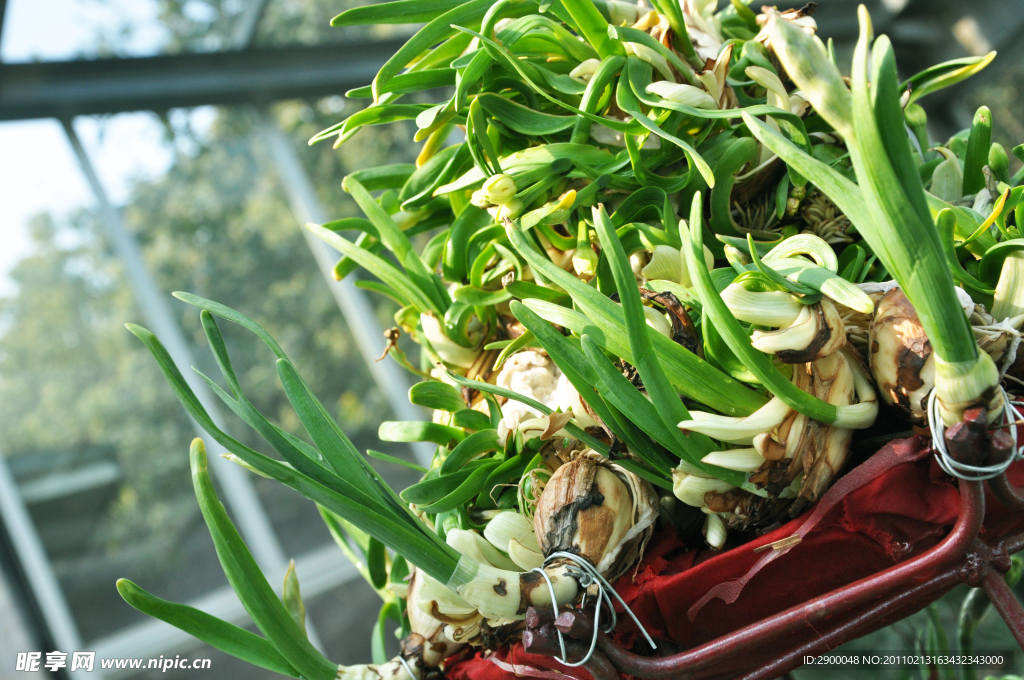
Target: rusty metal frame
x=839, y=616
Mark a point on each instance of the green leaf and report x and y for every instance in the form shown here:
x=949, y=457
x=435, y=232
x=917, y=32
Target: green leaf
x=419, y=431
x=739, y=152
x=334, y=446
x=380, y=114
x=667, y=403
x=436, y=30
x=389, y=610
x=469, y=221
x=844, y=193
x=435, y=486
x=635, y=35
x=806, y=61
x=219, y=634
x=381, y=268
x=399, y=244
x=468, y=449
x=592, y=96
x=395, y=460
x=593, y=27
x=523, y=119
x=472, y=486
x=291, y=597
x=535, y=158
x=693, y=377
x=992, y=264
x=404, y=83
x=400, y=12
x=946, y=224
x=943, y=75
x=376, y=564
x=978, y=145
x=906, y=244
x=256, y=595
x=434, y=394
x=384, y=176
x=528, y=289
x=471, y=420
x=628, y=102
x=734, y=334
x=479, y=297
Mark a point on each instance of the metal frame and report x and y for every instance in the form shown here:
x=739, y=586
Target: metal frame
x=841, y=615
x=67, y=89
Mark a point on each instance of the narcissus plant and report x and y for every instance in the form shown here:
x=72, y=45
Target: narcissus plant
x=660, y=264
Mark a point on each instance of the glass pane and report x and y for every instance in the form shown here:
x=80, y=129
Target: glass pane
x=91, y=29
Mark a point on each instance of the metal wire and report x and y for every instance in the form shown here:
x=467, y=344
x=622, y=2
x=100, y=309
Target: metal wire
x=408, y=669
x=587, y=575
x=973, y=473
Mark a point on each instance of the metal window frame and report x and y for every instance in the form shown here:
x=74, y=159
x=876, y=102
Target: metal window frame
x=322, y=569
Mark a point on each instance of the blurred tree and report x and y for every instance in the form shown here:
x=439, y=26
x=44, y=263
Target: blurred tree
x=217, y=224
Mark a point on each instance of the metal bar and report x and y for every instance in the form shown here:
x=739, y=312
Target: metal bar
x=358, y=312
x=237, y=488
x=319, y=571
x=889, y=609
x=37, y=569
x=968, y=524
x=72, y=88
x=1005, y=602
x=245, y=29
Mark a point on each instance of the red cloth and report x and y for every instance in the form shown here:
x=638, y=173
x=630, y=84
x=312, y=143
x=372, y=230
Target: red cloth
x=894, y=506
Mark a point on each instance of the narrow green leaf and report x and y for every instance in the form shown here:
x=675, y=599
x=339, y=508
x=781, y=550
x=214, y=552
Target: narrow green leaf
x=943, y=75
x=465, y=491
x=380, y=268
x=978, y=145
x=436, y=30
x=897, y=233
x=479, y=297
x=399, y=530
x=384, y=176
x=219, y=634
x=434, y=394
x=468, y=449
x=395, y=460
x=398, y=243
x=256, y=595
x=734, y=334
x=629, y=103
x=692, y=376
x=291, y=597
x=399, y=12
x=667, y=404
x=946, y=223
x=419, y=431
x=594, y=27
x=376, y=564
x=412, y=81
x=469, y=419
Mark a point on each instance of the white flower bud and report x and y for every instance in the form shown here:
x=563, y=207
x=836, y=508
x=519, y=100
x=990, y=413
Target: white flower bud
x=499, y=189
x=584, y=261
x=683, y=94
x=511, y=210
x=479, y=199
x=585, y=70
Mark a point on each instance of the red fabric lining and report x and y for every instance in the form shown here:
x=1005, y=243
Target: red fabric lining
x=894, y=506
